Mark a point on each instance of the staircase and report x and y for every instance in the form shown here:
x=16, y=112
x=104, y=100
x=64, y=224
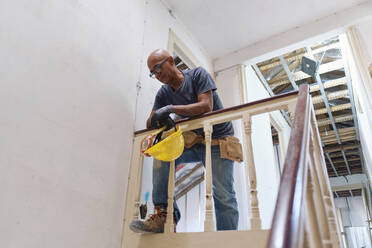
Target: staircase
x=304, y=215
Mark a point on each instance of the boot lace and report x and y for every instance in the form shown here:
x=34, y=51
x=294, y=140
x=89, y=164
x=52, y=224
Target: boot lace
x=159, y=213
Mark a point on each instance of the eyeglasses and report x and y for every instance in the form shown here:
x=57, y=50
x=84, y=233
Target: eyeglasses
x=157, y=68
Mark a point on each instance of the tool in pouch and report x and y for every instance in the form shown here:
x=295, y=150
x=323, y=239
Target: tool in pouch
x=164, y=146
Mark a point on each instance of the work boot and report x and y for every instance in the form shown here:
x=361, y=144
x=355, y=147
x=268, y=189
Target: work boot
x=154, y=224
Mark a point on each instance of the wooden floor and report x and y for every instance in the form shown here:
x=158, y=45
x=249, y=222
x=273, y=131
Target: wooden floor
x=221, y=239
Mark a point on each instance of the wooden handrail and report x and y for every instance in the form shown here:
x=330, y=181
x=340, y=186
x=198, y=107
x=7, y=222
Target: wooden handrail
x=286, y=226
x=265, y=100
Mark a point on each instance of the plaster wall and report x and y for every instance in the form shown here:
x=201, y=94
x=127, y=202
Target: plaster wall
x=361, y=83
x=365, y=33
x=68, y=101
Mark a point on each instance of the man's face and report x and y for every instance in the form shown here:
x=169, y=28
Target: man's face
x=161, y=68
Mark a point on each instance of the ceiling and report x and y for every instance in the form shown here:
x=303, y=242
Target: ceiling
x=343, y=153
x=226, y=26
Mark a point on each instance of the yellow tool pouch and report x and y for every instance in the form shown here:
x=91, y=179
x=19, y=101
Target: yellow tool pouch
x=231, y=148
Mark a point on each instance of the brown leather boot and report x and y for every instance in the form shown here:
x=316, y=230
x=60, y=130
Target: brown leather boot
x=154, y=224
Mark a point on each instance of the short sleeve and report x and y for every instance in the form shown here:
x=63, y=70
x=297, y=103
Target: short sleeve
x=202, y=81
x=159, y=100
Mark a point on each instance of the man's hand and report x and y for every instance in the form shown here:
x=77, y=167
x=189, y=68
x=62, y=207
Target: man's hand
x=160, y=115
x=169, y=122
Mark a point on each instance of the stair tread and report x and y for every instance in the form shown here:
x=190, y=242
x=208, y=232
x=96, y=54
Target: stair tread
x=219, y=239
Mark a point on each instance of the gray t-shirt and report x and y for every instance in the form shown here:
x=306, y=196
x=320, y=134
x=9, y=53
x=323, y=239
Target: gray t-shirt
x=196, y=82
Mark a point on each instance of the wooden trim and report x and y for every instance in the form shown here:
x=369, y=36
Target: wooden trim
x=286, y=221
x=175, y=45
x=238, y=107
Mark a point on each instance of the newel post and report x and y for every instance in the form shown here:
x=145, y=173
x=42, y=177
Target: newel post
x=250, y=171
x=209, y=222
x=169, y=224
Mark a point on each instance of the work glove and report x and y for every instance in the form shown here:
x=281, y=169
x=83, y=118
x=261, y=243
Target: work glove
x=161, y=117
x=169, y=122
x=162, y=113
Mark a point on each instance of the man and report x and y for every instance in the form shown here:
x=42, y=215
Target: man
x=188, y=93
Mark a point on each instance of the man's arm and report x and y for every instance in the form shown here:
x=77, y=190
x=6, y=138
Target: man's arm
x=204, y=105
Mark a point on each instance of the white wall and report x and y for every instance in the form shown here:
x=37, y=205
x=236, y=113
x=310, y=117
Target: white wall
x=361, y=85
x=68, y=74
x=364, y=109
x=364, y=29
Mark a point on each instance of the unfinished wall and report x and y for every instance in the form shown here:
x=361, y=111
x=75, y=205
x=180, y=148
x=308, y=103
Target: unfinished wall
x=68, y=106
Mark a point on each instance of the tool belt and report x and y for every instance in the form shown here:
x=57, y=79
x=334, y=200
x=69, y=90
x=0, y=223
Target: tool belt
x=230, y=147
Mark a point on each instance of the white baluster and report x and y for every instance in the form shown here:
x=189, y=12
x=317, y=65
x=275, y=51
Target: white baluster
x=324, y=184
x=319, y=201
x=250, y=171
x=169, y=224
x=209, y=223
x=311, y=217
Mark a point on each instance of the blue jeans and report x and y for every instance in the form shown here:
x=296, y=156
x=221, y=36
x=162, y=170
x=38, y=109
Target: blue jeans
x=225, y=204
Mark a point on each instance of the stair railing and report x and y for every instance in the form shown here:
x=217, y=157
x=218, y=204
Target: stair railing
x=304, y=163
x=206, y=121
x=304, y=215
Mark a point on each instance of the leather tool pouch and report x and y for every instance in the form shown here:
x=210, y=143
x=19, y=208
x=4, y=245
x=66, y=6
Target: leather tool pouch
x=191, y=138
x=231, y=148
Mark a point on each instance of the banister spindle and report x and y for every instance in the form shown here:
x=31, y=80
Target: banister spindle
x=250, y=171
x=324, y=184
x=311, y=218
x=169, y=223
x=319, y=201
x=209, y=222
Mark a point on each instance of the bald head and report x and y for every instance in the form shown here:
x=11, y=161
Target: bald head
x=161, y=64
x=156, y=56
